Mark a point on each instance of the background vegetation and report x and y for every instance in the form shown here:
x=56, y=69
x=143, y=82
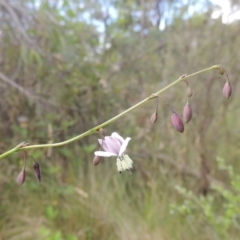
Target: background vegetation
x=66, y=66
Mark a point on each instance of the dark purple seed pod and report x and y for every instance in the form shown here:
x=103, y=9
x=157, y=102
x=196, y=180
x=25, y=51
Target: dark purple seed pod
x=187, y=113
x=189, y=92
x=96, y=160
x=21, y=177
x=227, y=90
x=177, y=122
x=37, y=170
x=154, y=117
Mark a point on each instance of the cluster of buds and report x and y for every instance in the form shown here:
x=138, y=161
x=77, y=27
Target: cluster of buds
x=176, y=120
x=22, y=175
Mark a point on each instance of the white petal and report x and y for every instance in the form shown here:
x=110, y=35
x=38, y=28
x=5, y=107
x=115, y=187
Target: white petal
x=119, y=165
x=116, y=135
x=124, y=146
x=104, y=154
x=124, y=163
x=128, y=160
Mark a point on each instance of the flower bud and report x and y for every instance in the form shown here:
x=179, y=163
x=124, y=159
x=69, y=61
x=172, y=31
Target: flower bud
x=189, y=92
x=227, y=90
x=184, y=75
x=37, y=170
x=187, y=113
x=177, y=122
x=21, y=177
x=219, y=69
x=154, y=117
x=96, y=160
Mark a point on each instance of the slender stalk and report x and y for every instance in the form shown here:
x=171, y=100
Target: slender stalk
x=157, y=99
x=95, y=129
x=167, y=103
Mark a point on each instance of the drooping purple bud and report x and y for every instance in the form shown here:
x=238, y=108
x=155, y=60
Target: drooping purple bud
x=154, y=117
x=37, y=170
x=189, y=92
x=227, y=90
x=96, y=160
x=187, y=113
x=177, y=122
x=21, y=177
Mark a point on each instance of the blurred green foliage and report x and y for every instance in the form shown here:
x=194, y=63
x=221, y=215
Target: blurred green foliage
x=220, y=210
x=67, y=66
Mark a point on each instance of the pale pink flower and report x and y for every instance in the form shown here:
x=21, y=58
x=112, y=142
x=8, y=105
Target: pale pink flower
x=115, y=145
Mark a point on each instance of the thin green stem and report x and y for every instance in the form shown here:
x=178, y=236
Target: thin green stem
x=157, y=100
x=97, y=128
x=167, y=103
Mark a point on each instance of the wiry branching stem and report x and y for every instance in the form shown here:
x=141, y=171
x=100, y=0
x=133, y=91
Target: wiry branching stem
x=21, y=147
